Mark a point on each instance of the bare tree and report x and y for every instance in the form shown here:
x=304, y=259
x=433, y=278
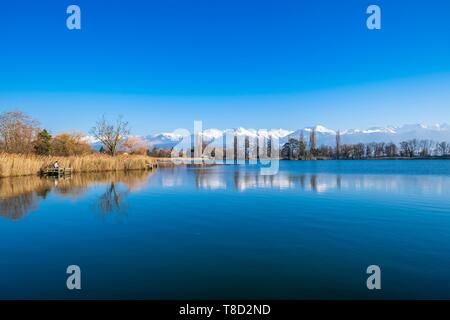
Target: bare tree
x=111, y=135
x=359, y=150
x=411, y=148
x=325, y=151
x=17, y=132
x=442, y=148
x=370, y=149
x=414, y=145
x=405, y=150
x=390, y=150
x=379, y=149
x=347, y=151
x=425, y=148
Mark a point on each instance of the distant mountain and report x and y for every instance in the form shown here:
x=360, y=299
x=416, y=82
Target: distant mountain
x=438, y=132
x=325, y=136
x=169, y=140
x=163, y=140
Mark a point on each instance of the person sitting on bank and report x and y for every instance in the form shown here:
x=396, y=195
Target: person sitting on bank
x=56, y=165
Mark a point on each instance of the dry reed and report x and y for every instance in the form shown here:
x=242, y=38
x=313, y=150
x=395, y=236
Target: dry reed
x=12, y=165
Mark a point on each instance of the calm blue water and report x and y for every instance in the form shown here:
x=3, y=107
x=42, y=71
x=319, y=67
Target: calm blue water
x=228, y=232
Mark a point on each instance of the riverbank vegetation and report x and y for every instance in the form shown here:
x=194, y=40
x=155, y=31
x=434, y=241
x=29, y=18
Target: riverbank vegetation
x=30, y=164
x=298, y=149
x=21, y=134
x=26, y=148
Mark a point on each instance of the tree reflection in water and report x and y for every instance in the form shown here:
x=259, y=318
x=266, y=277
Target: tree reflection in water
x=243, y=180
x=112, y=200
x=21, y=195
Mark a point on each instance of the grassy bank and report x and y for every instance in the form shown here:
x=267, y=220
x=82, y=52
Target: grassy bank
x=12, y=165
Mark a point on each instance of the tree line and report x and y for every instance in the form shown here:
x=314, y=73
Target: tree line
x=22, y=134
x=414, y=148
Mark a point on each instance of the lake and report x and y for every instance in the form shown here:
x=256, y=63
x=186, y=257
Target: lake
x=224, y=232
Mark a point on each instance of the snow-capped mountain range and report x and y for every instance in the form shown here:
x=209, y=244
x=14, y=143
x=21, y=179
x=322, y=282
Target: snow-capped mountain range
x=168, y=140
x=325, y=136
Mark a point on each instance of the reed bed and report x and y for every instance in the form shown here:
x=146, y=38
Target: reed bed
x=12, y=165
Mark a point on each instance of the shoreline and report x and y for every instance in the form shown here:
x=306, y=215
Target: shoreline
x=378, y=159
x=17, y=165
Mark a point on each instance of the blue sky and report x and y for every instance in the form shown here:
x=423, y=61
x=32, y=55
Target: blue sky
x=260, y=64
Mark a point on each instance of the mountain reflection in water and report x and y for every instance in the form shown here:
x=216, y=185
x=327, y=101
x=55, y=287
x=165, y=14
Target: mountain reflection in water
x=228, y=232
x=242, y=180
x=21, y=195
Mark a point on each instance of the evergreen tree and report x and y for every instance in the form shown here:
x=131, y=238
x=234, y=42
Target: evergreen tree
x=338, y=144
x=301, y=146
x=313, y=142
x=42, y=145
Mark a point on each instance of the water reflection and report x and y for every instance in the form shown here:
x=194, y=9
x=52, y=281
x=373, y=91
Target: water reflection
x=112, y=200
x=21, y=195
x=241, y=180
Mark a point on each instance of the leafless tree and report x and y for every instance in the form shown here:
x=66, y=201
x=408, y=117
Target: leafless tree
x=425, y=147
x=325, y=151
x=379, y=149
x=442, y=148
x=347, y=151
x=359, y=150
x=111, y=135
x=370, y=149
x=414, y=146
x=390, y=150
x=17, y=132
x=405, y=150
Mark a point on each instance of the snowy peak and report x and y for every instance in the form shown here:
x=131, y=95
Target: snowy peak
x=211, y=134
x=324, y=135
x=322, y=129
x=318, y=129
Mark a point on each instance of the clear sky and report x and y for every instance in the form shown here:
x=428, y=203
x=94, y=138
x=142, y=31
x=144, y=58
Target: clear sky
x=252, y=63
